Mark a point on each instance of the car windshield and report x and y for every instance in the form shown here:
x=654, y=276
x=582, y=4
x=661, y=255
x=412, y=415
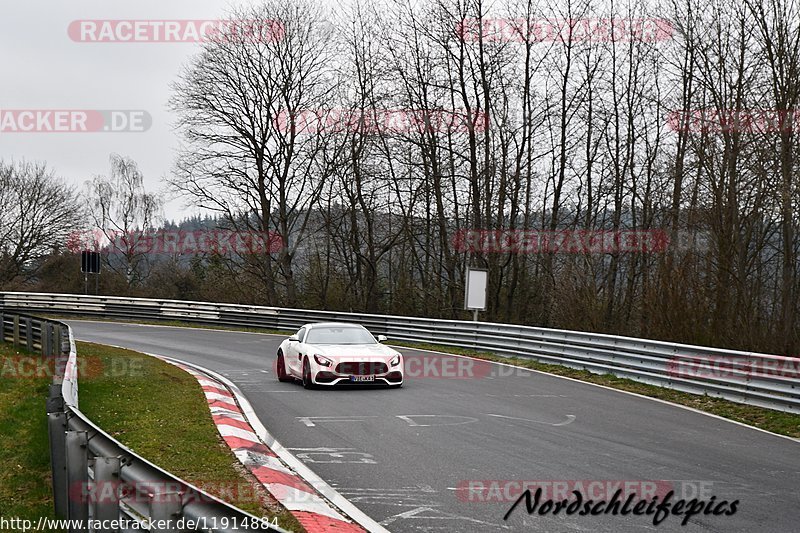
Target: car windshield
x=339, y=335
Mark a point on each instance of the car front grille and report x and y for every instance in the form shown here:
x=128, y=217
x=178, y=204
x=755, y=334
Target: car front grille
x=362, y=369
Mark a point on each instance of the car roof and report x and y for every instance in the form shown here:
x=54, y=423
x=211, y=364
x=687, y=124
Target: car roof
x=333, y=324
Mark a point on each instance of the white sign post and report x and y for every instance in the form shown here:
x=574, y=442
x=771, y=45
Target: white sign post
x=475, y=293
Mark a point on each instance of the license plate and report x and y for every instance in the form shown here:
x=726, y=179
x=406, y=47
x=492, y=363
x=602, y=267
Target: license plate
x=362, y=378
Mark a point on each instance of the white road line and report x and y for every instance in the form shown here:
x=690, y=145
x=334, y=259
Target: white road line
x=412, y=490
x=309, y=420
x=339, y=456
x=414, y=423
x=527, y=395
x=570, y=419
x=440, y=515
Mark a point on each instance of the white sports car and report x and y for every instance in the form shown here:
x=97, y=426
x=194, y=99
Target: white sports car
x=332, y=353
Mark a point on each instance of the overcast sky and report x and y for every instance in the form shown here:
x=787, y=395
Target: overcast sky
x=42, y=68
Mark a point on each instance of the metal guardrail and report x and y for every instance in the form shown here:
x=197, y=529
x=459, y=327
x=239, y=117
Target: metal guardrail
x=745, y=377
x=97, y=481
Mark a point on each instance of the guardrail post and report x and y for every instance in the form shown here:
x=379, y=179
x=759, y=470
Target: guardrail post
x=28, y=334
x=78, y=476
x=65, y=345
x=166, y=505
x=57, y=428
x=106, y=482
x=57, y=431
x=2, y=328
x=51, y=339
x=57, y=348
x=15, y=331
x=44, y=338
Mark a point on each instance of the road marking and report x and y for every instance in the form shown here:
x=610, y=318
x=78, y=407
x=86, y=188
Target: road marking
x=527, y=395
x=570, y=419
x=439, y=515
x=412, y=490
x=414, y=423
x=338, y=455
x=309, y=420
x=552, y=523
x=402, y=497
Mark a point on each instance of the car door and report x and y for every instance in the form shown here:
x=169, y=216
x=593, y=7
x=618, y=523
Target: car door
x=293, y=351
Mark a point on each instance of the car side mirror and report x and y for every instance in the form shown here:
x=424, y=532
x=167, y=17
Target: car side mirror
x=382, y=338
x=293, y=338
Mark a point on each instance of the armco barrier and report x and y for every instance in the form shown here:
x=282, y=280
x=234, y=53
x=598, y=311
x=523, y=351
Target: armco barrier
x=84, y=457
x=744, y=377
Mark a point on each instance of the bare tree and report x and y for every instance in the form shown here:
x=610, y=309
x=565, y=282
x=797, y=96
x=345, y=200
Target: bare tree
x=126, y=214
x=778, y=34
x=249, y=155
x=38, y=212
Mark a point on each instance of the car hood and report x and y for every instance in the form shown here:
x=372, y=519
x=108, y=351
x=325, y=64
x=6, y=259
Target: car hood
x=353, y=352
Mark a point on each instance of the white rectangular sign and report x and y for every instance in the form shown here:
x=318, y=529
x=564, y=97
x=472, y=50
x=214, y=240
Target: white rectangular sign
x=475, y=297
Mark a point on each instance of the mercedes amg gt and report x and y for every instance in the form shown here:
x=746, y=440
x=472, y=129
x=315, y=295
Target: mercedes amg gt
x=333, y=353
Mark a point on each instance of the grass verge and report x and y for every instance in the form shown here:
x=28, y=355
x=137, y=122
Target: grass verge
x=160, y=412
x=768, y=419
x=25, y=489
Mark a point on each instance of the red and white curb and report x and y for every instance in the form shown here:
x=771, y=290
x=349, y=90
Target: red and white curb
x=313, y=511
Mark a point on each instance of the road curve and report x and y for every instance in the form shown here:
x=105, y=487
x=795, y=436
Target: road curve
x=405, y=456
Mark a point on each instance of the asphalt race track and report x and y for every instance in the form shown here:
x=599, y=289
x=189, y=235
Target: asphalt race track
x=406, y=456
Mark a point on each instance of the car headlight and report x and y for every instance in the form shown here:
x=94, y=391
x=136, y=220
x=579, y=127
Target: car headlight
x=322, y=361
x=396, y=360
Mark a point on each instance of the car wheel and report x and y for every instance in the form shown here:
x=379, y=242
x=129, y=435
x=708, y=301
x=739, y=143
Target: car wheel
x=281, y=370
x=307, y=383
x=395, y=386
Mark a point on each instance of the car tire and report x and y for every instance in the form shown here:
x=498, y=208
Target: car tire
x=281, y=369
x=307, y=383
